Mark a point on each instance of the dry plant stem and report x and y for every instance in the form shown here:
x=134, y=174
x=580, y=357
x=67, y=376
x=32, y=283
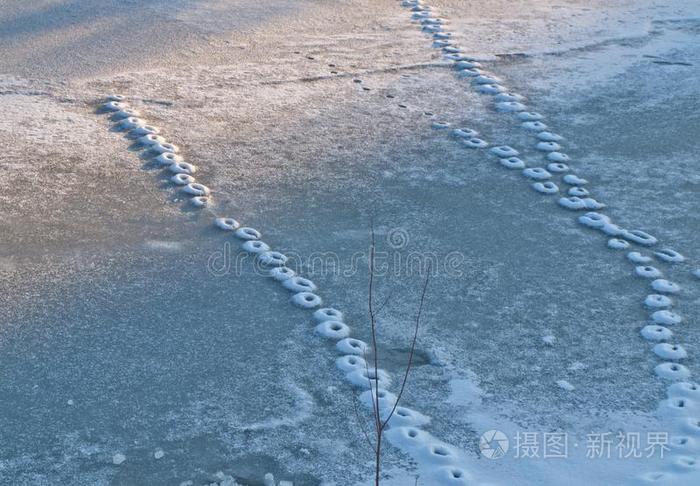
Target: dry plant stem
x=359, y=422
x=374, y=393
x=379, y=423
x=413, y=348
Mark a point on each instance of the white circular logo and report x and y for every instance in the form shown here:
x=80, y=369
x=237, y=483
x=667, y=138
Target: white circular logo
x=493, y=444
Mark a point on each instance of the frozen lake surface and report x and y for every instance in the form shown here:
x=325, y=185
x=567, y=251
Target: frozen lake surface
x=131, y=325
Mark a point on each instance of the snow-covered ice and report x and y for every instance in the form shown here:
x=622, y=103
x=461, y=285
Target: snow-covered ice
x=190, y=347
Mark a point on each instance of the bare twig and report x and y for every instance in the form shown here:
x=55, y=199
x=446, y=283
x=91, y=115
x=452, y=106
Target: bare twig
x=386, y=301
x=374, y=393
x=373, y=379
x=359, y=422
x=413, y=347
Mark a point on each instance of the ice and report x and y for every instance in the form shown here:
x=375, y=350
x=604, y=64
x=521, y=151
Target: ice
x=154, y=349
x=565, y=385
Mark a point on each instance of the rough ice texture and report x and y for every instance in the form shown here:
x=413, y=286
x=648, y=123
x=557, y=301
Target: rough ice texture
x=309, y=157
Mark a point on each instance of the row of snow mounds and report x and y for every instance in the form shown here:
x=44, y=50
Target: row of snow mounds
x=684, y=397
x=164, y=153
x=440, y=461
x=329, y=322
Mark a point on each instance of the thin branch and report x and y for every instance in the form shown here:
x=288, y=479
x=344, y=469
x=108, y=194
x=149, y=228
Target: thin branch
x=375, y=393
x=359, y=422
x=386, y=301
x=371, y=391
x=373, y=324
x=413, y=348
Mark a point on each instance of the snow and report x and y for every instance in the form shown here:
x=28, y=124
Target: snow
x=537, y=173
x=309, y=300
x=200, y=201
x=656, y=333
x=533, y=126
x=475, y=142
x=557, y=168
x=182, y=168
x=333, y=330
x=572, y=179
x=118, y=459
x=246, y=233
x=565, y=385
x=352, y=346
x=665, y=286
x=670, y=351
x=637, y=257
x=196, y=189
x=272, y=258
x=549, y=340
x=547, y=187
x=514, y=163
x=504, y=151
x=281, y=273
x=657, y=300
x=465, y=132
x=227, y=224
x=301, y=152
x=327, y=314
x=647, y=271
x=670, y=256
x=259, y=247
x=182, y=179
x=666, y=317
x=509, y=106
x=167, y=158
x=548, y=146
x=672, y=371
